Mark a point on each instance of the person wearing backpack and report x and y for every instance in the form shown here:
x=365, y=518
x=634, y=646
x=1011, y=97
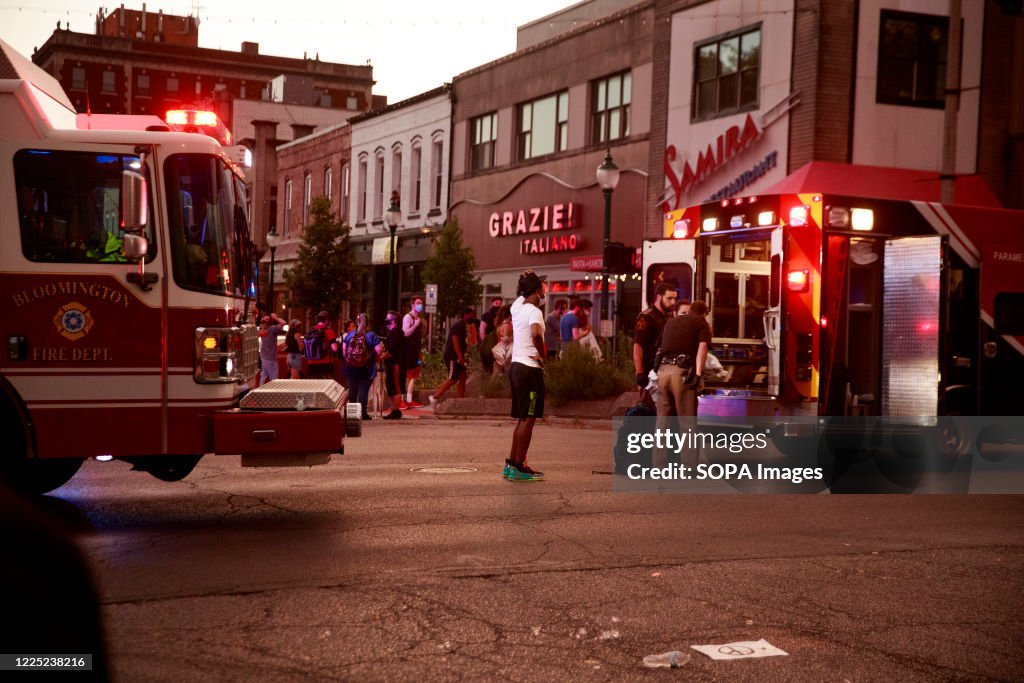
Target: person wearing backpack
x=360, y=349
x=317, y=342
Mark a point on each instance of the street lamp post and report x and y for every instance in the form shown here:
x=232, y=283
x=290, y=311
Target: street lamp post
x=392, y=216
x=607, y=178
x=272, y=239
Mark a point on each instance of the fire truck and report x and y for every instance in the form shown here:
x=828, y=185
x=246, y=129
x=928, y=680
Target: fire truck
x=127, y=292
x=831, y=305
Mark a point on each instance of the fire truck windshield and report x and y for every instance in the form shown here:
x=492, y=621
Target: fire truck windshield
x=208, y=225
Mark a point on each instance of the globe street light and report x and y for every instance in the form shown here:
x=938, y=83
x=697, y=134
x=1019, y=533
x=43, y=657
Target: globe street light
x=272, y=239
x=607, y=178
x=392, y=216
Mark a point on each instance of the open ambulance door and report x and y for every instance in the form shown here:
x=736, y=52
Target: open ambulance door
x=668, y=260
x=912, y=302
x=773, y=314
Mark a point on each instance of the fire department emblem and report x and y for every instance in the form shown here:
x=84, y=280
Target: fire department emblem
x=73, y=321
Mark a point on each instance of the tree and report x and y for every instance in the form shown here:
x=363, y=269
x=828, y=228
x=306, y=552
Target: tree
x=322, y=276
x=451, y=269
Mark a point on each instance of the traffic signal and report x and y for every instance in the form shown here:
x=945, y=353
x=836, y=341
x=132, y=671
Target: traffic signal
x=619, y=259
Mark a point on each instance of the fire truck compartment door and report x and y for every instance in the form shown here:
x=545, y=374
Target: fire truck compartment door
x=911, y=304
x=773, y=313
x=279, y=437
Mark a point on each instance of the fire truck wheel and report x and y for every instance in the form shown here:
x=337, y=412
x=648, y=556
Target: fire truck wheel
x=173, y=467
x=36, y=477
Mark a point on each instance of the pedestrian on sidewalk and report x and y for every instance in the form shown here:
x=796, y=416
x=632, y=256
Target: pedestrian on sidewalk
x=412, y=328
x=270, y=327
x=526, y=375
x=394, y=370
x=360, y=348
x=455, y=350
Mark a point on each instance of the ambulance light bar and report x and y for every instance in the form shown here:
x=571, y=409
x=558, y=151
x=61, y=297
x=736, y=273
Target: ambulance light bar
x=681, y=229
x=862, y=219
x=855, y=219
x=709, y=224
x=766, y=218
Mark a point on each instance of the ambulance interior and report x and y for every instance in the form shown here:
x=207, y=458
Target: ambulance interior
x=736, y=288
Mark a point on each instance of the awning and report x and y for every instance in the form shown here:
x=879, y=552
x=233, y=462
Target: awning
x=881, y=182
x=286, y=251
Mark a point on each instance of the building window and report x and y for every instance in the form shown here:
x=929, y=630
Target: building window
x=437, y=169
x=241, y=91
x=345, y=185
x=543, y=126
x=481, y=149
x=287, y=206
x=396, y=171
x=199, y=86
x=328, y=182
x=417, y=176
x=378, y=186
x=610, y=113
x=172, y=84
x=108, y=81
x=912, y=50
x=78, y=78
x=142, y=84
x=325, y=100
x=351, y=103
x=307, y=197
x=727, y=71
x=361, y=209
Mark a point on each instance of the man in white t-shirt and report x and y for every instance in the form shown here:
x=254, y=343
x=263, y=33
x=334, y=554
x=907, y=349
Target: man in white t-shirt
x=526, y=374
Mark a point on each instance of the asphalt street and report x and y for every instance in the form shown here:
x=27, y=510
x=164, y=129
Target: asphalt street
x=411, y=559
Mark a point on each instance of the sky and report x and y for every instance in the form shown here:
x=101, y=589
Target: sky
x=413, y=45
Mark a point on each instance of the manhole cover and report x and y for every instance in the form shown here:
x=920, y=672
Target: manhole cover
x=443, y=470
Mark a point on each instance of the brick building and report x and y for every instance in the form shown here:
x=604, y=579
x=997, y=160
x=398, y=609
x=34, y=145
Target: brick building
x=400, y=148
x=841, y=86
x=140, y=62
x=528, y=133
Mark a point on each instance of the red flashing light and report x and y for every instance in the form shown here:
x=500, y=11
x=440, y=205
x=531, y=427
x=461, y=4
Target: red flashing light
x=751, y=200
x=725, y=202
x=824, y=322
x=204, y=118
x=176, y=117
x=798, y=280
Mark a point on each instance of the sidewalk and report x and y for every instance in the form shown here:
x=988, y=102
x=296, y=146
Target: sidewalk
x=478, y=407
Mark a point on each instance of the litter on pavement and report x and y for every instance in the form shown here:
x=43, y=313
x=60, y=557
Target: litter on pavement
x=746, y=649
x=669, y=660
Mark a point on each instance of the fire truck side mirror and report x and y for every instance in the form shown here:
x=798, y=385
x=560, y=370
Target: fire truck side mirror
x=135, y=247
x=134, y=202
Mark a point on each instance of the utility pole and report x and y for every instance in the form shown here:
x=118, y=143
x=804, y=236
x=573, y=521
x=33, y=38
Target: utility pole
x=948, y=175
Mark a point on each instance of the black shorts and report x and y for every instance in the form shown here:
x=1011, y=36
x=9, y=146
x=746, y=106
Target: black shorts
x=527, y=391
x=394, y=378
x=456, y=370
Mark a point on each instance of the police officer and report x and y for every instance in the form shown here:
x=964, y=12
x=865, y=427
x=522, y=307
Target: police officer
x=647, y=331
x=684, y=348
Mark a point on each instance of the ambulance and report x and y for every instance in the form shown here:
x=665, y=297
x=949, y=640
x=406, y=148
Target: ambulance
x=824, y=304
x=127, y=299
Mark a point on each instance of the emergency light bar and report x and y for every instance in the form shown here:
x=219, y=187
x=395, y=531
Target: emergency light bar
x=198, y=121
x=798, y=280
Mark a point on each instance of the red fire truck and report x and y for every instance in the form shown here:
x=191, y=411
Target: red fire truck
x=825, y=304
x=127, y=290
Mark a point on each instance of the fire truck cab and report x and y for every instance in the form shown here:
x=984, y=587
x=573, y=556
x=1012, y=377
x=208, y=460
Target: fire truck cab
x=127, y=291
x=838, y=305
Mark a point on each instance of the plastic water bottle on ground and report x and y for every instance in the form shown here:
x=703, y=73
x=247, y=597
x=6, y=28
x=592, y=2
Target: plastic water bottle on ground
x=669, y=660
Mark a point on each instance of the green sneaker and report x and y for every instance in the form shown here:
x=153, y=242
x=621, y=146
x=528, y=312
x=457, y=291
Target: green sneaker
x=524, y=473
x=508, y=468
